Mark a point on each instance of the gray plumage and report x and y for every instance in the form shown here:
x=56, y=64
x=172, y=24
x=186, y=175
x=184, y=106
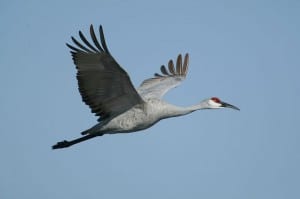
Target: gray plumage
x=106, y=88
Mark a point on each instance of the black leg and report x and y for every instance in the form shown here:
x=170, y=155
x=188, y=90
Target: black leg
x=65, y=143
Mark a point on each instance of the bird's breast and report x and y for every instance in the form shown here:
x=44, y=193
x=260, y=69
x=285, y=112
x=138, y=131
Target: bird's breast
x=138, y=117
x=135, y=119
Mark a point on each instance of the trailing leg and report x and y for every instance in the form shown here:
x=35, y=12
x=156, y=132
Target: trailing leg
x=65, y=143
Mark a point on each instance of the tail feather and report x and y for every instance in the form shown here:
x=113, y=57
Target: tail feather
x=96, y=128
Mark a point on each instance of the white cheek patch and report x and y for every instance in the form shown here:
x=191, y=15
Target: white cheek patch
x=214, y=104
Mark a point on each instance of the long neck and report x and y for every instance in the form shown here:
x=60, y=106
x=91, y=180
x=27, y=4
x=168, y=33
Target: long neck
x=199, y=106
x=174, y=111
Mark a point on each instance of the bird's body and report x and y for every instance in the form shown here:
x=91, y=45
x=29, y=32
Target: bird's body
x=107, y=89
x=139, y=117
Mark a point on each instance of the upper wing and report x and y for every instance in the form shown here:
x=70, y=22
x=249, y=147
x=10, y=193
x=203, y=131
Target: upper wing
x=157, y=86
x=104, y=86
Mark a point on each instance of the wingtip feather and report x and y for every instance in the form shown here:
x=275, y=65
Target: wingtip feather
x=164, y=70
x=185, y=64
x=179, y=65
x=171, y=67
x=102, y=37
x=94, y=38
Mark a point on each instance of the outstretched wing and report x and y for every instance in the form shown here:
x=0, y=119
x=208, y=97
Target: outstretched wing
x=104, y=86
x=160, y=84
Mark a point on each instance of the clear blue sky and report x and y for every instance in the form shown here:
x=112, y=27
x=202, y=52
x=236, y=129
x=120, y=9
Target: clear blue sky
x=245, y=52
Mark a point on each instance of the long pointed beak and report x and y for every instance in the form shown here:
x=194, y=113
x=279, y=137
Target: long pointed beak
x=226, y=105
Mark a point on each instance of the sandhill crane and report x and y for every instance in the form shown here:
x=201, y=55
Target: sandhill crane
x=106, y=88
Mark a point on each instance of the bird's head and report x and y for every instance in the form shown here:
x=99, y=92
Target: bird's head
x=215, y=103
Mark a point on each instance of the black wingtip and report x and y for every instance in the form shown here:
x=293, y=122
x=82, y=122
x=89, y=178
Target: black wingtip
x=102, y=37
x=94, y=38
x=101, y=28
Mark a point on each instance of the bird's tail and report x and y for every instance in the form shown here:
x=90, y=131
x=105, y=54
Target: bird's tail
x=95, y=129
x=65, y=143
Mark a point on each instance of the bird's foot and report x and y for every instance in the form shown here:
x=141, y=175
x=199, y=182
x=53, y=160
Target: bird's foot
x=62, y=144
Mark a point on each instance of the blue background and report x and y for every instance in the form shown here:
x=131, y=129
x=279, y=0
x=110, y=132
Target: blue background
x=244, y=52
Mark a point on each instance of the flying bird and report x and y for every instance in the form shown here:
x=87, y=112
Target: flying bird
x=107, y=89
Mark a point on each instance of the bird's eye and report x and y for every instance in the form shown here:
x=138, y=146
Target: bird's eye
x=215, y=99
